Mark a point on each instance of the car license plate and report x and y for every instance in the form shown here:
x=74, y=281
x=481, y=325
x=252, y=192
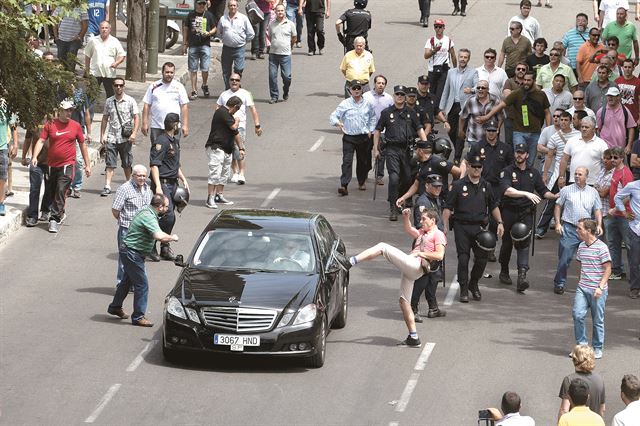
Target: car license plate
x=237, y=343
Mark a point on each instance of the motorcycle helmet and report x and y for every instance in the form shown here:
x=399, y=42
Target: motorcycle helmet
x=181, y=199
x=486, y=240
x=442, y=147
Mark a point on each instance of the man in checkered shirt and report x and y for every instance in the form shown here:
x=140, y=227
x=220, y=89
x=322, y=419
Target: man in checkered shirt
x=133, y=195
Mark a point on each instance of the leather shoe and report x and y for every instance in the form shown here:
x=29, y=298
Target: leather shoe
x=362, y=187
x=417, y=318
x=120, y=313
x=464, y=298
x=142, y=322
x=343, y=191
x=167, y=254
x=476, y=295
x=505, y=278
x=436, y=313
x=153, y=256
x=558, y=290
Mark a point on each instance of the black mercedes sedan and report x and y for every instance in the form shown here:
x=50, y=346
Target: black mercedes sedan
x=259, y=282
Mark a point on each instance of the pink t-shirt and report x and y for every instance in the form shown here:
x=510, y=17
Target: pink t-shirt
x=427, y=241
x=614, y=131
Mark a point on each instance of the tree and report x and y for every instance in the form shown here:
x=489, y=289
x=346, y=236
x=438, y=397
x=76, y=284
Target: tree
x=136, y=40
x=31, y=87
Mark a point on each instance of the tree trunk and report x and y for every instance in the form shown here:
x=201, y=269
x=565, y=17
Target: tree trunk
x=136, y=40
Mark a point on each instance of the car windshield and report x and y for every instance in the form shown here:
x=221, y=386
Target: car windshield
x=251, y=249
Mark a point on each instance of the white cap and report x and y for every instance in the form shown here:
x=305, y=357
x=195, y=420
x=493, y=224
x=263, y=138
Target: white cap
x=67, y=104
x=613, y=91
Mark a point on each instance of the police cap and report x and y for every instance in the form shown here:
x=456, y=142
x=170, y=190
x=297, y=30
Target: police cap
x=521, y=147
x=423, y=79
x=356, y=83
x=428, y=144
x=474, y=160
x=435, y=180
x=412, y=91
x=492, y=124
x=399, y=90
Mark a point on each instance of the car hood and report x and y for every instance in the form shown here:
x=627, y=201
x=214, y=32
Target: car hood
x=246, y=288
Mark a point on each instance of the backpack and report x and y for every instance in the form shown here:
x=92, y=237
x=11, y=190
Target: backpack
x=624, y=110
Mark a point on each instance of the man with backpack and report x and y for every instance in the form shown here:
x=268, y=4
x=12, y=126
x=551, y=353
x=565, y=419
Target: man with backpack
x=614, y=122
x=440, y=54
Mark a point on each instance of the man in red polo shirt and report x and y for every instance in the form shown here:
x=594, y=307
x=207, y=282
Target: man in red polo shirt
x=62, y=133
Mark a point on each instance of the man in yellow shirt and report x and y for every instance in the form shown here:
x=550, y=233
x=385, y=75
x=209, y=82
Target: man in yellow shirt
x=357, y=64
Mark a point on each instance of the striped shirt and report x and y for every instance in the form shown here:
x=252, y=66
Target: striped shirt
x=358, y=118
x=592, y=257
x=129, y=200
x=632, y=191
x=578, y=203
x=604, y=181
x=572, y=41
x=71, y=23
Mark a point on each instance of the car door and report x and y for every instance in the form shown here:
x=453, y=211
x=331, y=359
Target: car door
x=327, y=239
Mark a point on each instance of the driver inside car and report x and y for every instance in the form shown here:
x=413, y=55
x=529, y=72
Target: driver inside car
x=293, y=252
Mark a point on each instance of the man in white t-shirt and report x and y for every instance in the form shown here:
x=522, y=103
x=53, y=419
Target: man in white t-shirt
x=584, y=151
x=102, y=56
x=607, y=11
x=440, y=53
x=530, y=25
x=162, y=97
x=238, y=163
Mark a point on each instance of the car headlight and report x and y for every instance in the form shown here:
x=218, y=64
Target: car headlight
x=193, y=315
x=174, y=307
x=306, y=314
x=286, y=319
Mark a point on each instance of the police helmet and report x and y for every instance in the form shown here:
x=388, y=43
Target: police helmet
x=442, y=147
x=181, y=199
x=360, y=4
x=520, y=231
x=486, y=240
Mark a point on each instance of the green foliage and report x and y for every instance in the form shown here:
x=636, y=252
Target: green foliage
x=31, y=86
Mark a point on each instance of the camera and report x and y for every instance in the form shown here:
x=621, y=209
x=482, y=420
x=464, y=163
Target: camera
x=485, y=418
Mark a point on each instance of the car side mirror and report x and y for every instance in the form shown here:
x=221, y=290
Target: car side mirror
x=179, y=261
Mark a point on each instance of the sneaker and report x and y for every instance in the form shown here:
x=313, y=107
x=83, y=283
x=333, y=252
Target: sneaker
x=3, y=209
x=634, y=293
x=211, y=202
x=380, y=181
x=273, y=101
x=260, y=56
x=44, y=217
x=219, y=198
x=417, y=318
x=436, y=313
x=597, y=353
x=321, y=52
x=298, y=44
x=75, y=193
x=105, y=192
x=616, y=277
x=311, y=53
x=54, y=226
x=254, y=56
x=31, y=222
x=241, y=180
x=411, y=342
x=167, y=254
x=539, y=235
x=558, y=290
x=193, y=96
x=205, y=91
x=234, y=178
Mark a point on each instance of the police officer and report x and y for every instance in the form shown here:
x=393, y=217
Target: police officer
x=429, y=164
x=412, y=103
x=428, y=283
x=471, y=201
x=518, y=183
x=165, y=172
x=357, y=22
x=496, y=156
x=400, y=125
x=427, y=102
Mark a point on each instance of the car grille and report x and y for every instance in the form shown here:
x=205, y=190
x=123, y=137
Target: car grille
x=239, y=319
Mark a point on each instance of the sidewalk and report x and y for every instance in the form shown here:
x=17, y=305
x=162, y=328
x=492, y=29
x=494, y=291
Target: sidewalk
x=18, y=203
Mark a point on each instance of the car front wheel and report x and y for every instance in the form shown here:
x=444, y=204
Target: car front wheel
x=317, y=360
x=341, y=319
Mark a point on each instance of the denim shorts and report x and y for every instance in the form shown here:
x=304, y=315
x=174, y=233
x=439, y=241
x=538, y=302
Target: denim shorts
x=4, y=164
x=199, y=55
x=236, y=150
x=123, y=150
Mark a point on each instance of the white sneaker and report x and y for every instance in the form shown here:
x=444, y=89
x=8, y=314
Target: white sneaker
x=221, y=200
x=241, y=180
x=234, y=178
x=211, y=203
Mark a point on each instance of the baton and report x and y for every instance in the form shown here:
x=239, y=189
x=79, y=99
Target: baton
x=375, y=177
x=533, y=233
x=444, y=272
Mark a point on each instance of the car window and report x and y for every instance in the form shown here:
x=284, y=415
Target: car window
x=250, y=249
x=325, y=239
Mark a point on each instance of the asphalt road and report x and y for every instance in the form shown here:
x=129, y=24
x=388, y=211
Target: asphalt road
x=63, y=360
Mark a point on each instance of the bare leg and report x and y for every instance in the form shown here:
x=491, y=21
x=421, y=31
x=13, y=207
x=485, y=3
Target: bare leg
x=194, y=80
x=108, y=175
x=127, y=172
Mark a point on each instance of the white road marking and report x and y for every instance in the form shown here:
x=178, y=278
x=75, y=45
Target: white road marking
x=138, y=359
x=270, y=198
x=103, y=403
x=453, y=289
x=424, y=356
x=317, y=144
x=406, y=393
x=394, y=424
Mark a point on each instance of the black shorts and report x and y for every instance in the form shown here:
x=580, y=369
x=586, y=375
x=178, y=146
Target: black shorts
x=114, y=150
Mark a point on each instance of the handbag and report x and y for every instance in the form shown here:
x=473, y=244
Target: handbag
x=126, y=129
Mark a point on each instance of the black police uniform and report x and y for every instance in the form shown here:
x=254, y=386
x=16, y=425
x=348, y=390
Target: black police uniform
x=518, y=210
x=357, y=23
x=429, y=106
x=471, y=205
x=434, y=165
x=165, y=154
x=400, y=126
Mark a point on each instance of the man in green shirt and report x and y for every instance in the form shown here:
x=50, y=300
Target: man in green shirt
x=138, y=243
x=626, y=33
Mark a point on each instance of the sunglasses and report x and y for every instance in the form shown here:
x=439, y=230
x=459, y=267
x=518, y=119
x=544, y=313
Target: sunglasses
x=356, y=87
x=578, y=99
x=118, y=85
x=489, y=57
x=399, y=94
x=513, y=29
x=521, y=69
x=234, y=79
x=595, y=35
x=482, y=88
x=476, y=167
x=491, y=130
x=554, y=54
x=615, y=157
x=438, y=26
x=556, y=116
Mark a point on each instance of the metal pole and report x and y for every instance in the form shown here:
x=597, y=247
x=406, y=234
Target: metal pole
x=152, y=36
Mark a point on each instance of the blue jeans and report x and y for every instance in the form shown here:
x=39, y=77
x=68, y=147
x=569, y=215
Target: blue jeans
x=531, y=139
x=292, y=15
x=634, y=260
x=122, y=232
x=36, y=175
x=136, y=276
x=567, y=248
x=284, y=63
x=617, y=229
x=584, y=302
x=231, y=57
x=259, y=42
x=76, y=185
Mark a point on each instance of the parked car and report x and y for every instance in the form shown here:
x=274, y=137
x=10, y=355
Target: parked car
x=259, y=282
